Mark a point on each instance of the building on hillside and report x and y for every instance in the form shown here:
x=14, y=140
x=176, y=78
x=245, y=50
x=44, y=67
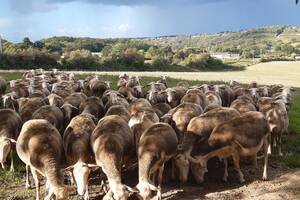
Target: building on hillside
x=225, y=55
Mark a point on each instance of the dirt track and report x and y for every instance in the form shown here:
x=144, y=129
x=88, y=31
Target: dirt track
x=283, y=184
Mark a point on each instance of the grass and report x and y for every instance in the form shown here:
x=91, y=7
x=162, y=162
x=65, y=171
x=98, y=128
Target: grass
x=291, y=145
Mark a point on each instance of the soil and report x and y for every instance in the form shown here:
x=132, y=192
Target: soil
x=283, y=184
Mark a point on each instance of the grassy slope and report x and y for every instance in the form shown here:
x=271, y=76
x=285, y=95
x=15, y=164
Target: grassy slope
x=291, y=141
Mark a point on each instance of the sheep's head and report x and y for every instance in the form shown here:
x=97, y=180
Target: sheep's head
x=183, y=166
x=198, y=168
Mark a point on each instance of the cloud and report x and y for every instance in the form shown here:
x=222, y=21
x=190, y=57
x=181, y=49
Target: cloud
x=124, y=27
x=29, y=6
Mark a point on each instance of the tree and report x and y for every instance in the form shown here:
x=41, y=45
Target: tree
x=38, y=45
x=26, y=43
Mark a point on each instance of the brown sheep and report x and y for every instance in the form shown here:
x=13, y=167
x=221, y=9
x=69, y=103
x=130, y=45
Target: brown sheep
x=198, y=132
x=2, y=86
x=78, y=151
x=243, y=105
x=137, y=116
x=161, y=109
x=52, y=114
x=75, y=99
x=112, y=142
x=119, y=110
x=40, y=147
x=98, y=87
x=278, y=120
x=242, y=136
x=195, y=96
x=182, y=116
x=157, y=145
x=10, y=126
x=55, y=100
x=213, y=98
x=94, y=106
x=27, y=106
x=174, y=95
x=137, y=105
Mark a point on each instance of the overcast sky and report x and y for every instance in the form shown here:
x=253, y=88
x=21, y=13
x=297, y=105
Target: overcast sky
x=139, y=18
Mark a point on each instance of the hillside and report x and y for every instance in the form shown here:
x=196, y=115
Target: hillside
x=168, y=53
x=263, y=38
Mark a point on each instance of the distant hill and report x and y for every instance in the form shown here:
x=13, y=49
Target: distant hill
x=258, y=38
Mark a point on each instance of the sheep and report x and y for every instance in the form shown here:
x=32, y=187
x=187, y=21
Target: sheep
x=127, y=92
x=137, y=116
x=182, y=116
x=40, y=147
x=278, y=120
x=243, y=105
x=75, y=99
x=197, y=133
x=2, y=86
x=138, y=104
x=119, y=110
x=78, y=152
x=9, y=101
x=133, y=81
x=241, y=136
x=161, y=109
x=27, y=106
x=174, y=95
x=52, y=114
x=157, y=145
x=195, y=96
x=98, y=87
x=55, y=100
x=10, y=126
x=225, y=93
x=112, y=142
x=94, y=106
x=213, y=98
x=115, y=98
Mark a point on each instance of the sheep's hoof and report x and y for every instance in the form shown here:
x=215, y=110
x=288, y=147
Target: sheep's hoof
x=225, y=179
x=264, y=178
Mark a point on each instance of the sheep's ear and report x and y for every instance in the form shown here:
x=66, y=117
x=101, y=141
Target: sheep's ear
x=93, y=166
x=132, y=190
x=152, y=187
x=70, y=168
x=292, y=89
x=12, y=140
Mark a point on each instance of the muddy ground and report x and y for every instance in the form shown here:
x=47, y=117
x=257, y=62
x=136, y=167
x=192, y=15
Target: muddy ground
x=283, y=183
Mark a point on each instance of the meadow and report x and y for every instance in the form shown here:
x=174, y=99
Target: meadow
x=287, y=73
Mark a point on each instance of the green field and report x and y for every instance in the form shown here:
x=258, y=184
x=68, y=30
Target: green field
x=269, y=73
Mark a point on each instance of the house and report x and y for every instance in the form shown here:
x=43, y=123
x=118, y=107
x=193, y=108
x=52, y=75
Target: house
x=225, y=55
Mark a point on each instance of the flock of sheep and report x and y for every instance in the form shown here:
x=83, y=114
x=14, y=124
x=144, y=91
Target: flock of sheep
x=57, y=128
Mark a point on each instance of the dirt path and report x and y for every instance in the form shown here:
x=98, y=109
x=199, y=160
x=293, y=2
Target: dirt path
x=283, y=184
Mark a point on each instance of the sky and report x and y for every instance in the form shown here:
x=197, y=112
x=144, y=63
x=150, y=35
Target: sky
x=39, y=19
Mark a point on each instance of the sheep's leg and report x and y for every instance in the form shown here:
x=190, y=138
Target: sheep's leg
x=266, y=145
x=225, y=170
x=12, y=169
x=50, y=193
x=236, y=160
x=36, y=182
x=86, y=194
x=272, y=143
x=279, y=145
x=173, y=175
x=160, y=176
x=27, y=177
x=71, y=177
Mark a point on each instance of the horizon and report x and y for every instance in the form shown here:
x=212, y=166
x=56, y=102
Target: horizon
x=39, y=19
